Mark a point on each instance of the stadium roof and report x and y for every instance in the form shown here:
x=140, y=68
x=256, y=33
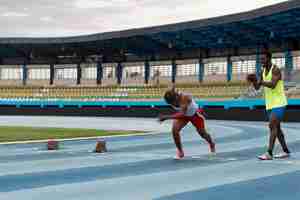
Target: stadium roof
x=277, y=24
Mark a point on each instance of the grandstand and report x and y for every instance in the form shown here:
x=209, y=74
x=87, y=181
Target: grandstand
x=203, y=91
x=208, y=58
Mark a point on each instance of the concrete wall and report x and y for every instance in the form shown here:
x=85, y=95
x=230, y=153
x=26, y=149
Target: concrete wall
x=64, y=82
x=240, y=114
x=11, y=82
x=38, y=83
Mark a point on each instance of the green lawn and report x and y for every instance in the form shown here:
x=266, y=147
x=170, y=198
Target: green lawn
x=11, y=134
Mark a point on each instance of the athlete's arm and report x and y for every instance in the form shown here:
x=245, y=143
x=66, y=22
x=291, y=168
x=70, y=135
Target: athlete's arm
x=162, y=117
x=173, y=107
x=276, y=76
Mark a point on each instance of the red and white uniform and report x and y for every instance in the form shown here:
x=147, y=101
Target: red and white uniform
x=193, y=114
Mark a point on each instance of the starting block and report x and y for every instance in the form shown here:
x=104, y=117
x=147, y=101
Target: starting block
x=100, y=146
x=52, y=145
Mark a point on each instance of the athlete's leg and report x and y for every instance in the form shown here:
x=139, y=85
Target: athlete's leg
x=178, y=124
x=206, y=136
x=273, y=125
x=199, y=122
x=281, y=139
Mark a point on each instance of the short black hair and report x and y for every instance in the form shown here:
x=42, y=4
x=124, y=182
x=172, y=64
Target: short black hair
x=170, y=96
x=269, y=55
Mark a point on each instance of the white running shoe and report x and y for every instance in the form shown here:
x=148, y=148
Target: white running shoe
x=282, y=155
x=265, y=156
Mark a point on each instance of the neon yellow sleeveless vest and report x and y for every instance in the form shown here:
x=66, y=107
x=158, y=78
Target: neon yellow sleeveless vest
x=274, y=97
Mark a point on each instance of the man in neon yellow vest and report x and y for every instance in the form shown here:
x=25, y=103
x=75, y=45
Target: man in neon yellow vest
x=276, y=102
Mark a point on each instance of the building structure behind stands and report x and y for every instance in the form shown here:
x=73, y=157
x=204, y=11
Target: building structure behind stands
x=208, y=58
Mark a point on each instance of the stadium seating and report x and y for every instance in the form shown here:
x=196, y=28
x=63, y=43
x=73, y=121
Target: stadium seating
x=203, y=91
x=210, y=91
x=294, y=92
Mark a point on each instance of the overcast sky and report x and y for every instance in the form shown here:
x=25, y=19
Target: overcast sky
x=47, y=18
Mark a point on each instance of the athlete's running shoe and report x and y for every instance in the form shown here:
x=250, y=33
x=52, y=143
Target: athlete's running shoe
x=265, y=156
x=282, y=155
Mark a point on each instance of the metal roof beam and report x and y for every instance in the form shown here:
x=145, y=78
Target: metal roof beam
x=267, y=35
